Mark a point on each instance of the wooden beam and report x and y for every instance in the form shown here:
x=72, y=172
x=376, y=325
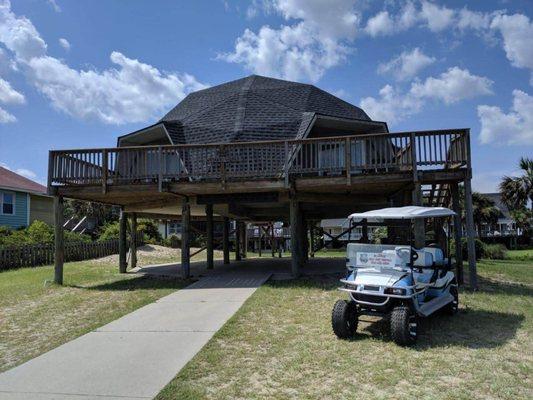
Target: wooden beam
x=225, y=240
x=295, y=222
x=133, y=241
x=122, y=242
x=245, y=240
x=238, y=241
x=59, y=244
x=458, y=232
x=418, y=224
x=470, y=235
x=209, y=241
x=186, y=239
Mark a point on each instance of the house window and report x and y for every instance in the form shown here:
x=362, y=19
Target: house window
x=8, y=203
x=174, y=228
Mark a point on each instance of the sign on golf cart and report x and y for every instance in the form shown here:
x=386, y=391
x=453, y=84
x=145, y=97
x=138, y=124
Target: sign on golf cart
x=375, y=260
x=396, y=279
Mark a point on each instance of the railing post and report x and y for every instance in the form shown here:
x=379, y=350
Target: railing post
x=348, y=161
x=104, y=171
x=413, y=156
x=50, y=171
x=160, y=169
x=286, y=165
x=221, y=155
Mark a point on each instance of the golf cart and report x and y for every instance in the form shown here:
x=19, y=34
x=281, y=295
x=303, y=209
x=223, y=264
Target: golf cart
x=397, y=281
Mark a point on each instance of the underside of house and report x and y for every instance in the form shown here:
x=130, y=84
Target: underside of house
x=261, y=150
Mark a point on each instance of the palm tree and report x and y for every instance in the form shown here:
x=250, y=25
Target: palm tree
x=517, y=191
x=484, y=211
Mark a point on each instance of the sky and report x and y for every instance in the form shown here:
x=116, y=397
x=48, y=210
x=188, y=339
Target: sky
x=79, y=73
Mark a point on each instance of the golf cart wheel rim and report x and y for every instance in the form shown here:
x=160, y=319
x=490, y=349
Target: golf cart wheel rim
x=413, y=325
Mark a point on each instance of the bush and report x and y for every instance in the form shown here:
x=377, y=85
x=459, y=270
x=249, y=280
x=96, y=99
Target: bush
x=495, y=252
x=479, y=246
x=40, y=232
x=149, y=229
x=109, y=231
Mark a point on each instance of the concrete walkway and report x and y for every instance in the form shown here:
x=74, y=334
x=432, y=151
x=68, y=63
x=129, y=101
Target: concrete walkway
x=135, y=356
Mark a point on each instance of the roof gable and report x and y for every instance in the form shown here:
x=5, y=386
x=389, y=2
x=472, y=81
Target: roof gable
x=12, y=180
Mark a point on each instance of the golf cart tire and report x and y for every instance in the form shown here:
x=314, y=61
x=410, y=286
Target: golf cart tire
x=453, y=307
x=344, y=319
x=402, y=333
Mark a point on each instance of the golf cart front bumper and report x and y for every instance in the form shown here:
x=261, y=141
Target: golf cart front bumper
x=376, y=296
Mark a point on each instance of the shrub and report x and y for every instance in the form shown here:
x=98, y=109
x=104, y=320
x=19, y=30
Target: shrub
x=109, y=231
x=479, y=246
x=149, y=228
x=72, y=237
x=40, y=232
x=495, y=252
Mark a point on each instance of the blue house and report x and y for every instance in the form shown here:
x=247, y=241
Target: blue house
x=23, y=201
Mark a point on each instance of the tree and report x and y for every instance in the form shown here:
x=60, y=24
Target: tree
x=517, y=191
x=484, y=211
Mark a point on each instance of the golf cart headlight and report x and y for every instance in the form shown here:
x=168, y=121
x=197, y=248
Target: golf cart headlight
x=350, y=286
x=395, y=291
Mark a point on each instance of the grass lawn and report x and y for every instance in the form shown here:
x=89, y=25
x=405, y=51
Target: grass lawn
x=36, y=315
x=280, y=346
x=520, y=254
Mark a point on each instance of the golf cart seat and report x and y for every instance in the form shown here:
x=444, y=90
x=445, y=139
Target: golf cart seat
x=438, y=255
x=424, y=260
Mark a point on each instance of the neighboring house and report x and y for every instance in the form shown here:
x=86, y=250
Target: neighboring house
x=168, y=228
x=335, y=227
x=505, y=226
x=23, y=201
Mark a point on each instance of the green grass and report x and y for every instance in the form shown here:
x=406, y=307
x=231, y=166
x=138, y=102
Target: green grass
x=280, y=346
x=36, y=315
x=520, y=254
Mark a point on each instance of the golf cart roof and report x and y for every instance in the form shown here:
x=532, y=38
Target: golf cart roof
x=408, y=212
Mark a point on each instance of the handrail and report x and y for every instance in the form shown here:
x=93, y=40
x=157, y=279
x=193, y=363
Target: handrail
x=274, y=159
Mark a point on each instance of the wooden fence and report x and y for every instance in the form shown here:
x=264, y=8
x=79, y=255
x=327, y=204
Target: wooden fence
x=34, y=255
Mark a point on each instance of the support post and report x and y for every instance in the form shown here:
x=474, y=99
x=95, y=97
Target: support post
x=419, y=228
x=209, y=228
x=122, y=242
x=296, y=250
x=133, y=240
x=272, y=240
x=305, y=240
x=312, y=239
x=458, y=233
x=364, y=231
x=244, y=240
x=238, y=241
x=470, y=235
x=225, y=240
x=186, y=239
x=59, y=244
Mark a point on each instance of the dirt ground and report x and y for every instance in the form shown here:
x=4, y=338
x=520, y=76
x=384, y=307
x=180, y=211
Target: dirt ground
x=155, y=254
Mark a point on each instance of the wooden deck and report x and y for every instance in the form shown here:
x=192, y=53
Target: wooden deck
x=371, y=164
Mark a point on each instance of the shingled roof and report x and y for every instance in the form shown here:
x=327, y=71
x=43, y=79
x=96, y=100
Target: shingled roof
x=252, y=108
x=12, y=180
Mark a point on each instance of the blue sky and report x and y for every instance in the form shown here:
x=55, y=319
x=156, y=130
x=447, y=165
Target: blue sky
x=77, y=73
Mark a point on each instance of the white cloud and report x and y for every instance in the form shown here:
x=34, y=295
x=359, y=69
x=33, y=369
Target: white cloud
x=514, y=127
x=8, y=95
x=450, y=87
x=131, y=91
x=317, y=40
x=64, y=43
x=6, y=117
x=54, y=5
x=517, y=34
x=380, y=24
x=407, y=64
x=19, y=35
x=391, y=106
x=437, y=18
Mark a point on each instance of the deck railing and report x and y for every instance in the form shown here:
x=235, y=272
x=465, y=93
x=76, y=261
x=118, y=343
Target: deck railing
x=349, y=155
